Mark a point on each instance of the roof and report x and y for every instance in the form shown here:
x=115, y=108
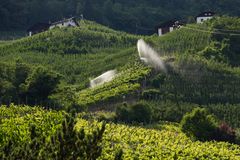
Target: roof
x=39, y=27
x=206, y=14
x=167, y=24
x=170, y=23
x=65, y=20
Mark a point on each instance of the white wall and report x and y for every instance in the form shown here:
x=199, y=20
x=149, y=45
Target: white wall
x=202, y=19
x=64, y=24
x=159, y=31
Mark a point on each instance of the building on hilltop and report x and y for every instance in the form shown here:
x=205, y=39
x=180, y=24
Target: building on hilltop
x=71, y=22
x=168, y=26
x=204, y=16
x=41, y=27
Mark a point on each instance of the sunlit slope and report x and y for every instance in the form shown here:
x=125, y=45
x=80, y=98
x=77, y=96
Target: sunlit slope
x=16, y=123
x=166, y=143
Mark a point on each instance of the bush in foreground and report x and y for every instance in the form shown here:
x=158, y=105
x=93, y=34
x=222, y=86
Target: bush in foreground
x=67, y=143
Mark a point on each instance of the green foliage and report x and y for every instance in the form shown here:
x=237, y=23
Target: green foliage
x=215, y=51
x=64, y=143
x=225, y=36
x=196, y=80
x=140, y=113
x=150, y=94
x=158, y=80
x=54, y=135
x=123, y=113
x=183, y=40
x=23, y=83
x=73, y=40
x=165, y=142
x=199, y=125
x=125, y=83
x=16, y=122
x=41, y=83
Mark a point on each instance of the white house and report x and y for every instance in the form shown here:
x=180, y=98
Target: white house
x=168, y=27
x=204, y=16
x=41, y=27
x=71, y=22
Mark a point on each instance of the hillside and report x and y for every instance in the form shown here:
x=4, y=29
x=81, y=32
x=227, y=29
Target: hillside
x=92, y=49
x=76, y=53
x=54, y=69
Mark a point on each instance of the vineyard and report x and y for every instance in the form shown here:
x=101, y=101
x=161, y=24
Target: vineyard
x=183, y=41
x=80, y=40
x=167, y=142
x=143, y=107
x=17, y=120
x=126, y=83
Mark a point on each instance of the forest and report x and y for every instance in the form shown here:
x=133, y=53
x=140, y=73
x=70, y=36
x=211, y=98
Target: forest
x=130, y=16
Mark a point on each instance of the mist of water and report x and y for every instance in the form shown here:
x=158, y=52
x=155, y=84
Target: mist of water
x=149, y=56
x=105, y=77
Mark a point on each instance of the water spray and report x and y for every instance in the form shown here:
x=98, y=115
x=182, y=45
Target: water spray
x=105, y=77
x=149, y=56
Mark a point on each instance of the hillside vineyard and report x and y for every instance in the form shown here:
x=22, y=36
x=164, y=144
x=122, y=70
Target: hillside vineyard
x=92, y=92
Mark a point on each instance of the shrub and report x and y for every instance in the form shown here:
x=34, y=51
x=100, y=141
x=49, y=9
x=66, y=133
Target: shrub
x=199, y=125
x=226, y=133
x=158, y=80
x=173, y=114
x=123, y=113
x=140, y=113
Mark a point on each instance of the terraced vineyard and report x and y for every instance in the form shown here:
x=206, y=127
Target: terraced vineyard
x=124, y=84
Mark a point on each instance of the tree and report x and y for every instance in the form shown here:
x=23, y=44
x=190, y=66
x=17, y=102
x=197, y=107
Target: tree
x=41, y=83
